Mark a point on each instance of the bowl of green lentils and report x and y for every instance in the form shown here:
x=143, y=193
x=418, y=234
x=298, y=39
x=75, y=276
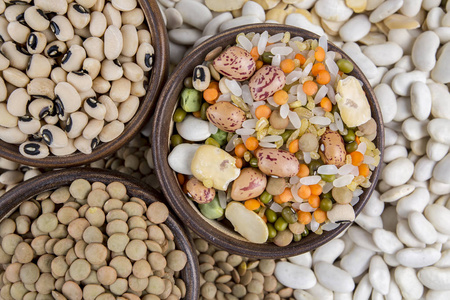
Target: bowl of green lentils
x=269, y=140
x=79, y=79
x=91, y=234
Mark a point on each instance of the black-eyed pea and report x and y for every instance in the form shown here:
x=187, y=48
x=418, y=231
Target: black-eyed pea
x=4, y=62
x=111, y=131
x=56, y=6
x=18, y=32
x=12, y=135
x=112, y=112
x=87, y=94
x=87, y=3
x=132, y=71
x=111, y=70
x=38, y=67
x=15, y=12
x=6, y=118
x=75, y=124
x=113, y=42
x=17, y=56
x=29, y=125
x=92, y=66
x=39, y=108
x=76, y=40
x=130, y=40
x=85, y=146
x=69, y=97
x=97, y=24
x=55, y=49
x=4, y=35
x=51, y=119
x=41, y=87
x=81, y=81
x=120, y=90
x=36, y=42
x=128, y=109
x=124, y=5
x=125, y=59
x=145, y=56
x=97, y=6
x=112, y=15
x=73, y=59
x=62, y=28
x=78, y=15
x=133, y=17
x=139, y=88
x=100, y=85
x=94, y=108
x=144, y=36
x=54, y=136
x=94, y=48
x=83, y=32
x=36, y=19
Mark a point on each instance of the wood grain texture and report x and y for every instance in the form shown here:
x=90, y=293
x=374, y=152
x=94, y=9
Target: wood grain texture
x=157, y=78
x=212, y=231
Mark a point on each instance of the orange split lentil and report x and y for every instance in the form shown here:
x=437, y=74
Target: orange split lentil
x=316, y=68
x=263, y=111
x=364, y=170
x=326, y=104
x=293, y=146
x=316, y=189
x=251, y=143
x=287, y=65
x=301, y=58
x=310, y=87
x=323, y=77
x=252, y=204
x=319, y=54
x=239, y=150
x=357, y=158
x=303, y=171
x=320, y=215
x=254, y=53
x=281, y=97
x=304, y=192
x=304, y=217
x=314, y=201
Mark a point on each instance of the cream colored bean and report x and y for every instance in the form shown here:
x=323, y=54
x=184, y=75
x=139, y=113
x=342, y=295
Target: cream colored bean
x=132, y=71
x=111, y=131
x=93, y=129
x=34, y=17
x=130, y=40
x=113, y=42
x=18, y=32
x=55, y=49
x=92, y=66
x=13, y=12
x=139, y=88
x=94, y=48
x=101, y=85
x=128, y=109
x=81, y=81
x=41, y=87
x=69, y=97
x=17, y=57
x=133, y=17
x=62, y=28
x=112, y=112
x=112, y=15
x=38, y=67
x=144, y=36
x=12, y=135
x=84, y=145
x=75, y=124
x=17, y=102
x=3, y=32
x=78, y=15
x=7, y=119
x=144, y=56
x=73, y=59
x=94, y=108
x=29, y=125
x=120, y=90
x=54, y=136
x=98, y=24
x=111, y=70
x=40, y=108
x=4, y=62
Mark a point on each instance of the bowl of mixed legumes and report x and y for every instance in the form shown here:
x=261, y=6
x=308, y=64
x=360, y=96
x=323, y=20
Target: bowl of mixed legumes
x=267, y=140
x=78, y=79
x=87, y=233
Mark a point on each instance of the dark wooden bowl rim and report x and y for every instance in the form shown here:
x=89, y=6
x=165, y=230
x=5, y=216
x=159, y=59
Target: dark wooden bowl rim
x=172, y=190
x=135, y=188
x=157, y=78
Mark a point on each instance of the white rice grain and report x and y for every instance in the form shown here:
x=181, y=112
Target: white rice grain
x=322, y=92
x=332, y=66
x=263, y=42
x=224, y=97
x=327, y=187
x=307, y=157
x=246, y=95
x=222, y=199
x=331, y=94
x=314, y=225
x=362, y=147
x=354, y=201
x=306, y=207
x=307, y=69
x=271, y=138
x=318, y=111
x=230, y=145
x=276, y=60
x=284, y=110
x=327, y=170
x=338, y=121
x=346, y=169
x=245, y=42
x=323, y=42
x=294, y=76
x=255, y=39
x=281, y=50
x=301, y=96
x=309, y=180
x=245, y=131
x=343, y=180
x=276, y=207
x=267, y=145
x=295, y=119
x=276, y=37
x=318, y=120
x=250, y=123
x=357, y=192
x=330, y=226
x=234, y=87
x=272, y=102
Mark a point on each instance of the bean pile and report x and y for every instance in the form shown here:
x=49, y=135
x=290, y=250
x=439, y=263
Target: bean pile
x=72, y=73
x=89, y=241
x=287, y=129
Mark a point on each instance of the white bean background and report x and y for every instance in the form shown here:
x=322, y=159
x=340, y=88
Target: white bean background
x=399, y=246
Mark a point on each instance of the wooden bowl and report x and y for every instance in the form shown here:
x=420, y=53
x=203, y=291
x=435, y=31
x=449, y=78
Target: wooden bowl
x=213, y=231
x=157, y=78
x=135, y=188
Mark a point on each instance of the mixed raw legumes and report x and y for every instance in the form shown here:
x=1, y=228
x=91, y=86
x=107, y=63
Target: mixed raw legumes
x=72, y=74
x=285, y=137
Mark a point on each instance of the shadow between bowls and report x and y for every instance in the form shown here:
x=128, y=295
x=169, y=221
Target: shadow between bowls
x=213, y=231
x=157, y=78
x=135, y=188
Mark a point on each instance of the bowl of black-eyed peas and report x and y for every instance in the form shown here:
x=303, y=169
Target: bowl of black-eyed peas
x=78, y=79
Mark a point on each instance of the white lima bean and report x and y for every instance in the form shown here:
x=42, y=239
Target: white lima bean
x=57, y=57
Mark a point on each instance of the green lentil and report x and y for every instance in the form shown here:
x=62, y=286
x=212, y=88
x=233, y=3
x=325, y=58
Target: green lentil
x=188, y=82
x=212, y=210
x=326, y=204
x=254, y=162
x=297, y=237
x=175, y=140
x=203, y=111
x=351, y=147
x=212, y=142
x=280, y=224
x=270, y=215
x=285, y=135
x=289, y=215
x=344, y=65
x=267, y=57
x=350, y=136
x=328, y=178
x=265, y=197
x=313, y=166
x=272, y=231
